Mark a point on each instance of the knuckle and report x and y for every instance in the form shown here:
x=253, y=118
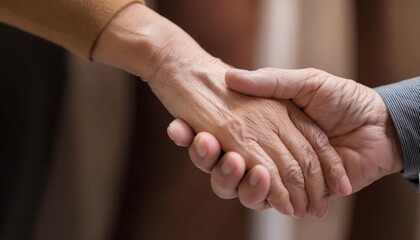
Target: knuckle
x=240, y=130
x=310, y=164
x=293, y=176
x=313, y=169
x=316, y=72
x=322, y=143
x=233, y=125
x=313, y=72
x=223, y=187
x=198, y=162
x=281, y=198
x=335, y=167
x=278, y=195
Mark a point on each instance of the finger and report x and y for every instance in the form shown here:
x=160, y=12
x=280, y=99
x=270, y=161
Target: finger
x=253, y=151
x=180, y=132
x=205, y=151
x=299, y=85
x=290, y=170
x=331, y=163
x=278, y=195
x=302, y=147
x=227, y=174
x=253, y=189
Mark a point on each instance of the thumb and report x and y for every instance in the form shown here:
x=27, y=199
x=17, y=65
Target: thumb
x=299, y=85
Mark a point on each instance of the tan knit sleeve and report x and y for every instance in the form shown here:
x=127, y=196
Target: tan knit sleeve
x=72, y=24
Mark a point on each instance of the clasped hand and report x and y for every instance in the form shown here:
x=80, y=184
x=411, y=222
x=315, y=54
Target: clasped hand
x=333, y=137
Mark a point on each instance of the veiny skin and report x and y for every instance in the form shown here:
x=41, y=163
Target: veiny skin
x=190, y=83
x=353, y=117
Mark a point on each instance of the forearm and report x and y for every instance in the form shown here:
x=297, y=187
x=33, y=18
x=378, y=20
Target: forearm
x=177, y=69
x=72, y=24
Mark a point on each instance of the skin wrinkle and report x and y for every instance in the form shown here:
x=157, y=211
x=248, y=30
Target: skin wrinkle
x=321, y=139
x=323, y=142
x=311, y=96
x=292, y=179
x=196, y=74
x=220, y=108
x=158, y=52
x=276, y=88
x=343, y=100
x=311, y=93
x=361, y=136
x=207, y=91
x=344, y=118
x=296, y=178
x=310, y=170
x=361, y=99
x=251, y=122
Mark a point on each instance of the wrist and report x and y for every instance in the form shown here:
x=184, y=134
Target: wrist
x=397, y=163
x=194, y=91
x=134, y=41
x=185, y=78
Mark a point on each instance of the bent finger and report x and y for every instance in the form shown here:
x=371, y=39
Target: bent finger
x=253, y=189
x=331, y=163
x=204, y=151
x=301, y=147
x=227, y=174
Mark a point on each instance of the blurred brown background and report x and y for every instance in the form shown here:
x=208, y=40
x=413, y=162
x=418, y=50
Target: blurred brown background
x=87, y=144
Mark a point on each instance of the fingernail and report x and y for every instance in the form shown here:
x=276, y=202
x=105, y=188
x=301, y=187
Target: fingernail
x=345, y=186
x=169, y=132
x=227, y=168
x=321, y=213
x=301, y=215
x=173, y=126
x=254, y=179
x=289, y=210
x=201, y=150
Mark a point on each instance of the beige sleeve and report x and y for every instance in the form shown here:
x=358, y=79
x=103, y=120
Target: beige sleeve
x=72, y=24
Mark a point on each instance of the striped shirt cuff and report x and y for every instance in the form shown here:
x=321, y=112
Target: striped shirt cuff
x=403, y=102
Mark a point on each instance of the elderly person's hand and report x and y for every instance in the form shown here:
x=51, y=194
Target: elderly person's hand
x=190, y=83
x=353, y=116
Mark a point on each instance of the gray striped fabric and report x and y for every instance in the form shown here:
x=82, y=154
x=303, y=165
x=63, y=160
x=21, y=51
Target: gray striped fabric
x=403, y=102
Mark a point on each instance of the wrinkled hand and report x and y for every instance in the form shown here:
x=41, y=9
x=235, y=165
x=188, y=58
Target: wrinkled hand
x=353, y=117
x=275, y=135
x=190, y=83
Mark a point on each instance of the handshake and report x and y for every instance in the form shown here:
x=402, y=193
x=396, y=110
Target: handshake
x=300, y=138
x=293, y=139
